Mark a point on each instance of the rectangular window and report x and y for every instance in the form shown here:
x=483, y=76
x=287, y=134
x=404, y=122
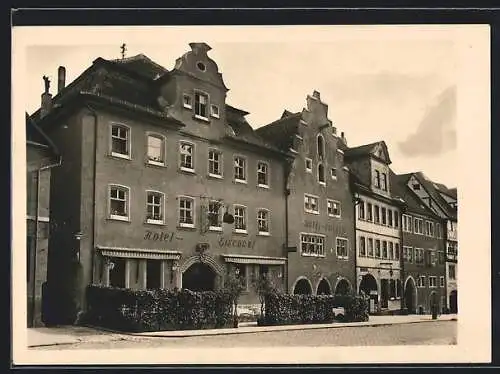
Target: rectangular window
x=377, y=248
x=187, y=152
x=309, y=166
x=187, y=101
x=362, y=246
x=262, y=174
x=384, y=216
x=312, y=245
x=396, y=251
x=240, y=169
x=377, y=214
x=439, y=232
x=384, y=249
x=391, y=250
x=240, y=219
x=370, y=247
x=361, y=210
x=377, y=178
x=333, y=173
x=406, y=254
x=201, y=105
x=451, y=272
x=214, y=163
x=120, y=141
x=214, y=111
x=407, y=223
x=418, y=226
x=411, y=255
x=156, y=150
x=396, y=219
x=389, y=217
x=263, y=221
x=333, y=208
x=432, y=282
x=311, y=204
x=440, y=257
x=342, y=250
x=186, y=211
x=369, y=212
x=119, y=202
x=154, y=207
x=421, y=281
x=384, y=182
x=153, y=274
x=429, y=228
x=419, y=256
x=214, y=216
x=441, y=281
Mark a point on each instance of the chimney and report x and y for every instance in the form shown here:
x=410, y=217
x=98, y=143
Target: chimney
x=342, y=135
x=317, y=95
x=61, y=78
x=46, y=105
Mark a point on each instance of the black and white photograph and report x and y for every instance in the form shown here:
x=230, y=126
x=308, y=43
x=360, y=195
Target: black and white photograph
x=251, y=194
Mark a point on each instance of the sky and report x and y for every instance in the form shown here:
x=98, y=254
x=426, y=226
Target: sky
x=398, y=89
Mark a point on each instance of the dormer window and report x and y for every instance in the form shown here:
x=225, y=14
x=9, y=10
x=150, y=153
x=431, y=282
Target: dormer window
x=384, y=182
x=187, y=101
x=321, y=147
x=214, y=110
x=416, y=186
x=333, y=172
x=377, y=178
x=201, y=105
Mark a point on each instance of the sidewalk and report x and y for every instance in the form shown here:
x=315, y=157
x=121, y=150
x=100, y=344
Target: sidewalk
x=77, y=334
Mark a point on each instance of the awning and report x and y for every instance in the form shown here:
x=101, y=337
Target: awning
x=248, y=259
x=147, y=253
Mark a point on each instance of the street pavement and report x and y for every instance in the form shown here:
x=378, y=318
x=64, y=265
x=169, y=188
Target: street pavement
x=418, y=332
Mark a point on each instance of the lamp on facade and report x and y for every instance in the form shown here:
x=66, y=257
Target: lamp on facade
x=78, y=236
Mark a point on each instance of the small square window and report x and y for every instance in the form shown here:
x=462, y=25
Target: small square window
x=333, y=208
x=187, y=101
x=309, y=165
x=214, y=111
x=311, y=204
x=333, y=173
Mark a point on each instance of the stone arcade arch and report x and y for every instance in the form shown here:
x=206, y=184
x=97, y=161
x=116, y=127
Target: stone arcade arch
x=343, y=287
x=302, y=286
x=323, y=287
x=201, y=274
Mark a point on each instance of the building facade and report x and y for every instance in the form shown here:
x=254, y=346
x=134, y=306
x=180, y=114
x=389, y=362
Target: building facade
x=423, y=251
x=41, y=157
x=378, y=227
x=320, y=210
x=443, y=203
x=163, y=184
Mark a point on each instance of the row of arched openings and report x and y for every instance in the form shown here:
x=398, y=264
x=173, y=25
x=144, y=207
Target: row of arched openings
x=303, y=287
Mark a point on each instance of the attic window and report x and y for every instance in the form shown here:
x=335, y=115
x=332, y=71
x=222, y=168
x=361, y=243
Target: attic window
x=187, y=101
x=416, y=186
x=201, y=66
x=214, y=111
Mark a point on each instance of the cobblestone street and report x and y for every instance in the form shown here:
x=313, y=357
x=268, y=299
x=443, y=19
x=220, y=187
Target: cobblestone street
x=425, y=333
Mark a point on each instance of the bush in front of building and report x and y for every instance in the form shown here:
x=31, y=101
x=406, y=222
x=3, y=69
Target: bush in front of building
x=156, y=310
x=286, y=309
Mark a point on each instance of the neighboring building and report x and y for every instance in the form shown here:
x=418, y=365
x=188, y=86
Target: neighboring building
x=423, y=251
x=378, y=236
x=443, y=202
x=320, y=209
x=41, y=156
x=155, y=165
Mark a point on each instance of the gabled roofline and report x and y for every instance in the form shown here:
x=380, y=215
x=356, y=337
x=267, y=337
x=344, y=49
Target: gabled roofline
x=439, y=203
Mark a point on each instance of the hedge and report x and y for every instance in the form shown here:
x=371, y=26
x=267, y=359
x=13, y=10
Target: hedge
x=285, y=309
x=156, y=310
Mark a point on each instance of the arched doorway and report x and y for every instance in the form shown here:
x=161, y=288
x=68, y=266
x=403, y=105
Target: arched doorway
x=368, y=284
x=410, y=295
x=343, y=287
x=302, y=287
x=453, y=301
x=323, y=288
x=199, y=277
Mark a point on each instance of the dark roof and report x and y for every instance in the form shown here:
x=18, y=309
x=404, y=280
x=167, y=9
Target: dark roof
x=435, y=195
x=359, y=151
x=281, y=132
x=243, y=131
x=141, y=64
x=400, y=189
x=35, y=135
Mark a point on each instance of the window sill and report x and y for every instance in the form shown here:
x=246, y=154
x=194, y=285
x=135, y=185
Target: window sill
x=186, y=226
x=240, y=231
x=215, y=229
x=215, y=116
x=322, y=184
x=119, y=218
x=187, y=106
x=155, y=222
x=264, y=186
x=156, y=163
x=241, y=181
x=312, y=255
x=334, y=178
x=187, y=170
x=201, y=118
x=311, y=212
x=264, y=233
x=120, y=156
x=334, y=216
x=215, y=176
x=309, y=171
x=343, y=258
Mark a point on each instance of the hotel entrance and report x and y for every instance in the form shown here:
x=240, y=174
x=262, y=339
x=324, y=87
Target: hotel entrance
x=199, y=277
